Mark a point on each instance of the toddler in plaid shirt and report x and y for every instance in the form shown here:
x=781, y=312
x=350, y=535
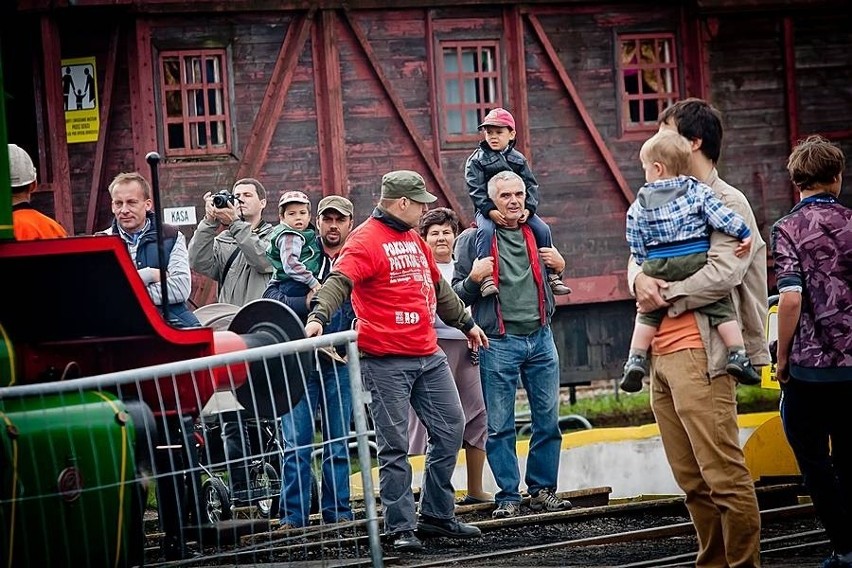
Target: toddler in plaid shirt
x=668, y=230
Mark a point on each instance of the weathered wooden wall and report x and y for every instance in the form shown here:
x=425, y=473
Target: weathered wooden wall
x=327, y=101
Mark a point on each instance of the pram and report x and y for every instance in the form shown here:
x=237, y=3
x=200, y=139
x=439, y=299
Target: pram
x=218, y=497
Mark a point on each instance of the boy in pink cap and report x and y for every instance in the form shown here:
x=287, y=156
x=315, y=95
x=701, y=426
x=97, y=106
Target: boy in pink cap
x=497, y=153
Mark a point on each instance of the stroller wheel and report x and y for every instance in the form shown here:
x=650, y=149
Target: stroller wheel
x=217, y=502
x=265, y=481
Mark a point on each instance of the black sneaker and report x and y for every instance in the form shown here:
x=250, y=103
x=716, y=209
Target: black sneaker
x=431, y=527
x=405, y=541
x=836, y=561
x=739, y=366
x=635, y=370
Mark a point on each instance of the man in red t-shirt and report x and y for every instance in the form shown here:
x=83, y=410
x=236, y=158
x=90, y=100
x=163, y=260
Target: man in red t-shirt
x=396, y=290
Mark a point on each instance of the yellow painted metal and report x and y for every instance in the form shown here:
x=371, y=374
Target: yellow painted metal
x=767, y=373
x=767, y=452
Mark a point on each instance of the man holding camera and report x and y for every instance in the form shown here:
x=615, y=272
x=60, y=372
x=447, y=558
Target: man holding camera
x=236, y=257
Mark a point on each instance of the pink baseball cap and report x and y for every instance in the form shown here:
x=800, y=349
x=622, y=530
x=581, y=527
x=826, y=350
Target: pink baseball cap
x=499, y=117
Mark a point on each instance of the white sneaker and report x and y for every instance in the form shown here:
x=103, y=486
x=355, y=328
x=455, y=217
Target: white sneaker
x=546, y=500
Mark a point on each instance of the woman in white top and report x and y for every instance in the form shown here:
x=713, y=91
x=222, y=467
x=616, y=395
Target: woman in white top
x=439, y=228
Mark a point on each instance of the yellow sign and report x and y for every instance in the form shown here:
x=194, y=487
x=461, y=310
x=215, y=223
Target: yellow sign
x=80, y=97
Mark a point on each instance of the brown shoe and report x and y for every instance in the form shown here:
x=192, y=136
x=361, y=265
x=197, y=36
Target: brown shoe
x=487, y=287
x=556, y=285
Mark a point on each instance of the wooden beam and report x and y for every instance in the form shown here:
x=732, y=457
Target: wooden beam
x=581, y=109
x=513, y=26
x=142, y=105
x=273, y=100
x=791, y=91
x=434, y=107
x=329, y=100
x=63, y=207
x=105, y=102
x=413, y=134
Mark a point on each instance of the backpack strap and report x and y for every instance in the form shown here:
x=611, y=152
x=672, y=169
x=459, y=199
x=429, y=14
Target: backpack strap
x=228, y=265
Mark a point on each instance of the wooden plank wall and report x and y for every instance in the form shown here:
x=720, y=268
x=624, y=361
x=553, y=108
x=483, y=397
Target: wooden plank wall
x=383, y=115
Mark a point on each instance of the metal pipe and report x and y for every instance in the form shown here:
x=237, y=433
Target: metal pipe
x=153, y=160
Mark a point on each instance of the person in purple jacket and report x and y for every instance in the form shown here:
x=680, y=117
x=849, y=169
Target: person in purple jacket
x=812, y=247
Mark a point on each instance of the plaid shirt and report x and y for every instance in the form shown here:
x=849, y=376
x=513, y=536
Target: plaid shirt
x=673, y=217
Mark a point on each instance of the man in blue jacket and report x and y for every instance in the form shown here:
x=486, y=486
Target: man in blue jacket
x=517, y=323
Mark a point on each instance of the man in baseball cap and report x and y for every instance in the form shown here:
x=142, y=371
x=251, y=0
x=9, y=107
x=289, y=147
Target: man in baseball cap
x=28, y=224
x=396, y=290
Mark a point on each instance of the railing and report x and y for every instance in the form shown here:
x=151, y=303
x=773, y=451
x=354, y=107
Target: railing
x=83, y=458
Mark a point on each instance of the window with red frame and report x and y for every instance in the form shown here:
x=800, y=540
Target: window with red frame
x=470, y=84
x=195, y=102
x=648, y=72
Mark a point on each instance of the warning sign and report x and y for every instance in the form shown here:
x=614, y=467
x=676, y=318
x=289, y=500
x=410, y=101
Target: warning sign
x=80, y=97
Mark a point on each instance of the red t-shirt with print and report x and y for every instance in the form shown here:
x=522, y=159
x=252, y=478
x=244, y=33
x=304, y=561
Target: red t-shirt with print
x=394, y=275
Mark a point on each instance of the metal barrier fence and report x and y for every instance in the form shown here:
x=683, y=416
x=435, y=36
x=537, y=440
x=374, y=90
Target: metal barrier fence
x=137, y=467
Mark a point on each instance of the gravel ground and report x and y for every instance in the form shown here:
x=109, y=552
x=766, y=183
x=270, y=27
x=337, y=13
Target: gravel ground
x=614, y=555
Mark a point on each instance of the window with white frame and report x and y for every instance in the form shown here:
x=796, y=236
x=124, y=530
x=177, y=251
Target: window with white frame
x=195, y=102
x=469, y=84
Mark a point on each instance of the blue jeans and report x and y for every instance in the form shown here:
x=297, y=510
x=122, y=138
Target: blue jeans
x=485, y=229
x=533, y=360
x=425, y=383
x=330, y=394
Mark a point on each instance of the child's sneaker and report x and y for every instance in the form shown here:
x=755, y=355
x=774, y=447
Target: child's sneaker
x=556, y=285
x=635, y=370
x=739, y=365
x=488, y=288
x=548, y=501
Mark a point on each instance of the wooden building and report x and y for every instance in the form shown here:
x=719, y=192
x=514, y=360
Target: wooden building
x=326, y=96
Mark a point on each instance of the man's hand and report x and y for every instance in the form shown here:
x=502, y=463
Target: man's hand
x=313, y=329
x=648, y=296
x=481, y=269
x=744, y=247
x=552, y=258
x=476, y=338
x=525, y=216
x=497, y=217
x=228, y=214
x=209, y=210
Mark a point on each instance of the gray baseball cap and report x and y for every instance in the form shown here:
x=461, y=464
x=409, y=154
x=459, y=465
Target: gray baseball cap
x=406, y=183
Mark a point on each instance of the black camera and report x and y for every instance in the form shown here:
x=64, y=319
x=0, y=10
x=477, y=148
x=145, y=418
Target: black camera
x=222, y=198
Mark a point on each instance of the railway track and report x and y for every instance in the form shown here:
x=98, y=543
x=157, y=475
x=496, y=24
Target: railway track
x=636, y=533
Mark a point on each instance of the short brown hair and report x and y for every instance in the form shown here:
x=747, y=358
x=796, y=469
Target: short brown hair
x=129, y=177
x=261, y=191
x=439, y=216
x=814, y=162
